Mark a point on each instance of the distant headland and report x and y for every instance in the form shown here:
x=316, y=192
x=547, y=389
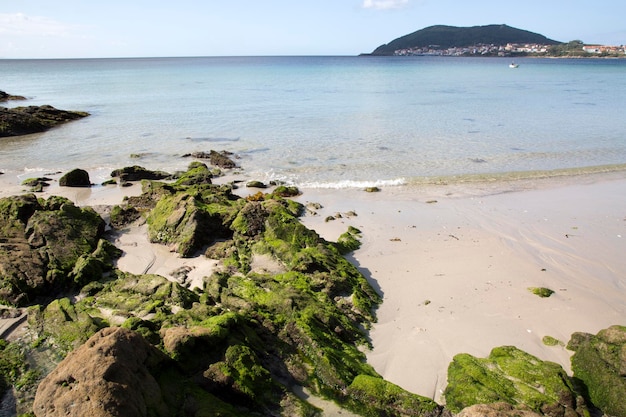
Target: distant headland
x=490, y=40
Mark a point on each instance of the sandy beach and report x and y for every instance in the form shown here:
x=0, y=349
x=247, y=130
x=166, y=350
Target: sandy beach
x=454, y=263
x=454, y=268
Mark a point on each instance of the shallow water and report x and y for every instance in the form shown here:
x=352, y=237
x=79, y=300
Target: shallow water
x=326, y=121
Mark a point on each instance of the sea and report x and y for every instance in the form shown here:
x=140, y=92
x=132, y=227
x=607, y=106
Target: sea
x=326, y=121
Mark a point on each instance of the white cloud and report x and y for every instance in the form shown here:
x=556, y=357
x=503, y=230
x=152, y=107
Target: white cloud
x=384, y=4
x=19, y=24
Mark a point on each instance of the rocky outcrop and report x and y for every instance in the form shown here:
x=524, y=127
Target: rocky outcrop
x=599, y=362
x=219, y=159
x=75, y=178
x=192, y=212
x=115, y=373
x=242, y=341
x=4, y=96
x=138, y=173
x=33, y=119
x=514, y=377
x=41, y=243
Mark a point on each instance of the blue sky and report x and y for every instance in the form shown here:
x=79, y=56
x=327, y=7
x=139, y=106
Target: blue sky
x=131, y=28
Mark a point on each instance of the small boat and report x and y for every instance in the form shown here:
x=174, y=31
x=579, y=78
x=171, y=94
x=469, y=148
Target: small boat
x=513, y=65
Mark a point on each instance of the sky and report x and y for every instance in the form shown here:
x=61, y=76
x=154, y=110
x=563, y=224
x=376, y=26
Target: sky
x=157, y=28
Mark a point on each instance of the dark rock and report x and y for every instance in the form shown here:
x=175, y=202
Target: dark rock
x=372, y=189
x=75, y=178
x=40, y=244
x=219, y=159
x=138, y=173
x=6, y=97
x=599, y=362
x=123, y=216
x=32, y=119
x=255, y=184
x=115, y=373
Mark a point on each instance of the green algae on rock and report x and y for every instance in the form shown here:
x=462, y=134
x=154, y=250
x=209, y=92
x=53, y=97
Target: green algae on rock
x=541, y=291
x=75, y=178
x=238, y=345
x=15, y=370
x=40, y=244
x=373, y=396
x=512, y=376
x=599, y=362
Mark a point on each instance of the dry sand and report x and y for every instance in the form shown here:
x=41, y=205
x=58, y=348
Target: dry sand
x=454, y=264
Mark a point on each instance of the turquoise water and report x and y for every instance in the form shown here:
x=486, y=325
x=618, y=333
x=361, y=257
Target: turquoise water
x=330, y=121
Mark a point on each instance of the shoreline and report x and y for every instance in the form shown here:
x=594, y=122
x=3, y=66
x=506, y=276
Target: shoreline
x=453, y=263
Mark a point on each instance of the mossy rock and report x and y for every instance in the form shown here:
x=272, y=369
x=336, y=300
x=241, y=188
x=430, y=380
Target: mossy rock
x=373, y=396
x=197, y=173
x=243, y=371
x=256, y=184
x=47, y=238
x=286, y=191
x=75, y=178
x=187, y=223
x=515, y=377
x=15, y=370
x=65, y=234
x=551, y=341
x=349, y=241
x=541, y=291
x=599, y=362
x=123, y=216
x=64, y=324
x=186, y=218
x=241, y=342
x=138, y=173
x=37, y=185
x=139, y=295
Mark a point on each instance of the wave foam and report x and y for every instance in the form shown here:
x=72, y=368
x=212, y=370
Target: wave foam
x=345, y=184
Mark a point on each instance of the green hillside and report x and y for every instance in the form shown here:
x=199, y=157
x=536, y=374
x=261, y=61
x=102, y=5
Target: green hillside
x=451, y=36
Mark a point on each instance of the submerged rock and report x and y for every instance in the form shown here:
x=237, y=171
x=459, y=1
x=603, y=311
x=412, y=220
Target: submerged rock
x=219, y=159
x=32, y=119
x=600, y=362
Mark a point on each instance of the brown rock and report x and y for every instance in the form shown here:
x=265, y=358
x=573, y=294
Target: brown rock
x=112, y=374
